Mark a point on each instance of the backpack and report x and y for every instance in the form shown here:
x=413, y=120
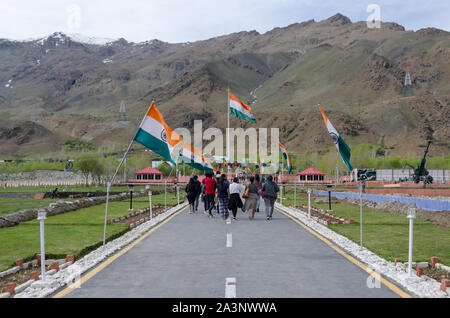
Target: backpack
x=270, y=190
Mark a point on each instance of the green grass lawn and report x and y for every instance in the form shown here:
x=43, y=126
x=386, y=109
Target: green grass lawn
x=10, y=205
x=386, y=234
x=68, y=233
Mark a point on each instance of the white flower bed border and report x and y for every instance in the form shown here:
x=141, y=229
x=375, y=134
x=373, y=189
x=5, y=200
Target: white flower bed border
x=417, y=286
x=73, y=272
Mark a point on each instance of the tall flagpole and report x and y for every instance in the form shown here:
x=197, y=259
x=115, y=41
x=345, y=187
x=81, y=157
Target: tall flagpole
x=165, y=189
x=228, y=134
x=108, y=185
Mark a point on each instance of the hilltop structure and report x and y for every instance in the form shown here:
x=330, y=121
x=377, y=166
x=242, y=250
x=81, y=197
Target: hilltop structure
x=122, y=111
x=408, y=83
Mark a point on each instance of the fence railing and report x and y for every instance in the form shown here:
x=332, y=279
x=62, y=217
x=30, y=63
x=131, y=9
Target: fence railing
x=424, y=204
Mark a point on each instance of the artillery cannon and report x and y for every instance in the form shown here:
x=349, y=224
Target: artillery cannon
x=420, y=172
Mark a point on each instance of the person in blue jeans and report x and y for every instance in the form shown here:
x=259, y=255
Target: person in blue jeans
x=198, y=187
x=270, y=190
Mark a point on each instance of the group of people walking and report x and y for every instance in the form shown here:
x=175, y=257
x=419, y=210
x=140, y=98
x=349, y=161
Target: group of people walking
x=219, y=194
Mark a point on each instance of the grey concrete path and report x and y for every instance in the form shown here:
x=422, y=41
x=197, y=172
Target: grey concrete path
x=189, y=257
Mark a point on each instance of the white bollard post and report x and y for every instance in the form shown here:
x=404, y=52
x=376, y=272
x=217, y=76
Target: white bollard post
x=411, y=216
x=360, y=217
x=295, y=194
x=309, y=203
x=147, y=187
x=150, y=202
x=281, y=196
x=42, y=215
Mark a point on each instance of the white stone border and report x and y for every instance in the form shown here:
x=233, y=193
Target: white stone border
x=417, y=286
x=73, y=272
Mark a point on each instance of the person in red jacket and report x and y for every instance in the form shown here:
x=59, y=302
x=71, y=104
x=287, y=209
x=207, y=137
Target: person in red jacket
x=209, y=185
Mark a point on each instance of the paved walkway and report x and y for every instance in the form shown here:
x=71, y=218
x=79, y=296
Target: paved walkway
x=193, y=256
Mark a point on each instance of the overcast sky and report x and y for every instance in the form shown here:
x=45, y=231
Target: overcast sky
x=191, y=20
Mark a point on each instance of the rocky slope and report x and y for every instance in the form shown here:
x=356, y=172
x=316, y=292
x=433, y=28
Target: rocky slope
x=73, y=89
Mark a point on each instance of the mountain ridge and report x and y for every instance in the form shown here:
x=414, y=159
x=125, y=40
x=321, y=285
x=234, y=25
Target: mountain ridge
x=353, y=71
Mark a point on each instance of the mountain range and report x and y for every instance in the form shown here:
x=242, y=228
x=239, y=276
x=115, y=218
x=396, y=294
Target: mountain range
x=63, y=87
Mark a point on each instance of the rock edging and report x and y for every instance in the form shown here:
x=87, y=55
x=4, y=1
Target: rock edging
x=58, y=207
x=417, y=286
x=72, y=274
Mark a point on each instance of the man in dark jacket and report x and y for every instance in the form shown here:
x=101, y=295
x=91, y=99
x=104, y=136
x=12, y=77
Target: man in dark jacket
x=198, y=187
x=270, y=190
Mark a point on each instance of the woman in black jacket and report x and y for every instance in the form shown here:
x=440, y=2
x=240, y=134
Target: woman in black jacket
x=191, y=191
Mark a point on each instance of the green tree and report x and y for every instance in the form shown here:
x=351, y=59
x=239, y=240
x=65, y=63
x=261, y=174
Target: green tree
x=165, y=169
x=90, y=165
x=77, y=145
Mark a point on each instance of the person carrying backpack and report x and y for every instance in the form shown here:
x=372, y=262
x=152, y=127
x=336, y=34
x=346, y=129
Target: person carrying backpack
x=270, y=190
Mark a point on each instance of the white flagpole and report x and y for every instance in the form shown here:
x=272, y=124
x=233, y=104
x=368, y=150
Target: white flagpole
x=355, y=173
x=108, y=185
x=165, y=189
x=282, y=178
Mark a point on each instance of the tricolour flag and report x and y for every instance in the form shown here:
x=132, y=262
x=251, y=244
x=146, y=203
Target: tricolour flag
x=239, y=109
x=154, y=134
x=262, y=164
x=341, y=146
x=286, y=157
x=190, y=156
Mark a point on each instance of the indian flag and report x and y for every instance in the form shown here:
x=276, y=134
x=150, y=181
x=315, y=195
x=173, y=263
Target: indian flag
x=286, y=157
x=154, y=134
x=239, y=109
x=190, y=156
x=341, y=146
x=262, y=164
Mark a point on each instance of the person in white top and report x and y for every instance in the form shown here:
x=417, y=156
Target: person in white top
x=235, y=197
x=235, y=187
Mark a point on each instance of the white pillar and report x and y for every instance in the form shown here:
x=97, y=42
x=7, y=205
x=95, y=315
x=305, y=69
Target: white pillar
x=360, y=216
x=309, y=203
x=281, y=196
x=295, y=193
x=42, y=215
x=411, y=216
x=150, y=204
